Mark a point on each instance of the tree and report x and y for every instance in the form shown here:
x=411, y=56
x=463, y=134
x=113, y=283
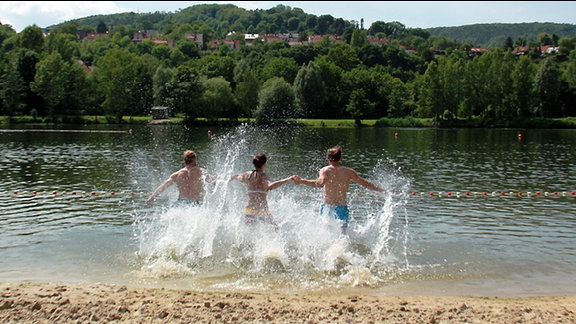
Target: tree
x=64, y=44
x=61, y=84
x=343, y=56
x=247, y=88
x=216, y=66
x=101, y=28
x=430, y=100
x=359, y=105
x=218, y=99
x=161, y=79
x=281, y=67
x=185, y=91
x=31, y=38
x=522, y=91
x=126, y=83
x=331, y=76
x=398, y=97
x=371, y=102
x=359, y=39
x=546, y=87
x=18, y=98
x=508, y=44
x=275, y=101
x=309, y=90
x=13, y=90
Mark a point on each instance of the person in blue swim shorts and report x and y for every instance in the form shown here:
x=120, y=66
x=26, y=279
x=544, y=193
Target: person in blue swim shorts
x=335, y=179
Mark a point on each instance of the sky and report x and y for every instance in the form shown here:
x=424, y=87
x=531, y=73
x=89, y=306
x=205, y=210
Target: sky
x=413, y=14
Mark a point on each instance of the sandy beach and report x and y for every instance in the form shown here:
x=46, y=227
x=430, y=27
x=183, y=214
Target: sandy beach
x=104, y=303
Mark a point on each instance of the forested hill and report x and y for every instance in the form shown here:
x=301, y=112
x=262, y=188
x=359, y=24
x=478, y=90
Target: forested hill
x=494, y=35
x=223, y=18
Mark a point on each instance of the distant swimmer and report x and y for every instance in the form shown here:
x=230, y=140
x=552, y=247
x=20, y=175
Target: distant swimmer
x=335, y=179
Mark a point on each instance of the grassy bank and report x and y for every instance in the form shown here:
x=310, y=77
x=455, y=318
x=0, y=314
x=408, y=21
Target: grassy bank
x=542, y=123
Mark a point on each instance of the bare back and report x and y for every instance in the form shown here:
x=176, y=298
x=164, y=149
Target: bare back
x=336, y=180
x=189, y=181
x=257, y=184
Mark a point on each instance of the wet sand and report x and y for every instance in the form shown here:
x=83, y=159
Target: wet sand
x=104, y=303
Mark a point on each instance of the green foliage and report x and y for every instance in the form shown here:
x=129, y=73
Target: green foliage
x=280, y=67
x=61, y=84
x=309, y=91
x=126, y=82
x=493, y=35
x=218, y=99
x=275, y=101
x=184, y=92
x=405, y=122
x=547, y=89
x=247, y=88
x=31, y=38
x=338, y=75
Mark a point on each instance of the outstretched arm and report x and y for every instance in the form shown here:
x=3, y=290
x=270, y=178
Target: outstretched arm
x=239, y=177
x=276, y=184
x=159, y=190
x=316, y=183
x=365, y=183
x=211, y=179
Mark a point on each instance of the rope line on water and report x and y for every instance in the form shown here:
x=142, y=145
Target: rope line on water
x=430, y=194
x=76, y=193
x=458, y=194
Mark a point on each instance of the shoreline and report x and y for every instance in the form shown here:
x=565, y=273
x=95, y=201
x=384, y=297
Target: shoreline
x=31, y=302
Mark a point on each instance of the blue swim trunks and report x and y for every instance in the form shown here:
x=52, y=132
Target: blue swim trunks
x=339, y=212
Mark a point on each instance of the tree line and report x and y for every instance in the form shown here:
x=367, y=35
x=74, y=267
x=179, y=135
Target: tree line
x=57, y=77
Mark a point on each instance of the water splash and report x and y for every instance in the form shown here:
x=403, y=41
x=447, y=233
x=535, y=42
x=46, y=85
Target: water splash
x=212, y=246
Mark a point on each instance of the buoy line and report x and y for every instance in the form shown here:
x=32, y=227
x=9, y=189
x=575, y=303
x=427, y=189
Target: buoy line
x=430, y=194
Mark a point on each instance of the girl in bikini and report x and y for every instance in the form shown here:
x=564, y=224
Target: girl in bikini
x=258, y=184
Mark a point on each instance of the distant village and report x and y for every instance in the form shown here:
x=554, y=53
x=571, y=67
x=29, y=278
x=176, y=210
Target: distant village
x=291, y=39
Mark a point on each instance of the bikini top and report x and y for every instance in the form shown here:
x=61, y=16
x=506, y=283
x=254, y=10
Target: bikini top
x=257, y=191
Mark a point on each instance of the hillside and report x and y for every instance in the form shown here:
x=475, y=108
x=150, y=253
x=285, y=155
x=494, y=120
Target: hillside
x=284, y=19
x=494, y=35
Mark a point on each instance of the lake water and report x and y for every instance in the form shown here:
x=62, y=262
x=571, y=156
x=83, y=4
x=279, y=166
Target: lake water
x=474, y=212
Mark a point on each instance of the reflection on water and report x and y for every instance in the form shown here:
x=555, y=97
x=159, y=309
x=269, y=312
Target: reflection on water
x=73, y=210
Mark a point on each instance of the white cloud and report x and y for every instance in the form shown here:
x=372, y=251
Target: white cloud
x=46, y=13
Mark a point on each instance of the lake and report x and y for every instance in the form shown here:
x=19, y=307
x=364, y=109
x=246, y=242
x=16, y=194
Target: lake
x=479, y=212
